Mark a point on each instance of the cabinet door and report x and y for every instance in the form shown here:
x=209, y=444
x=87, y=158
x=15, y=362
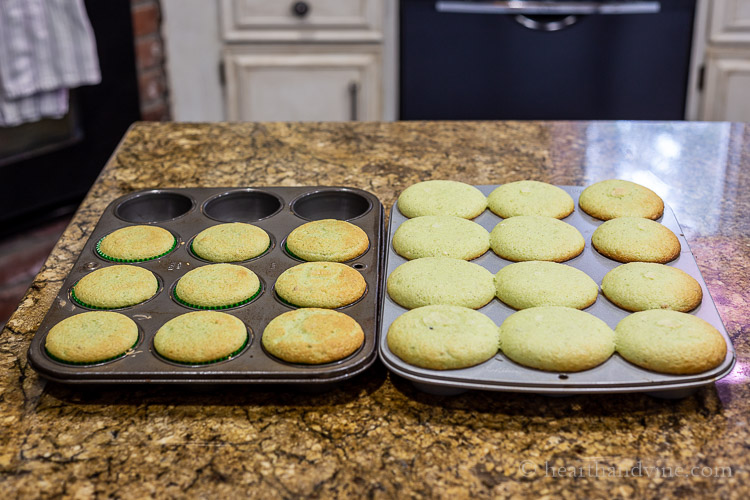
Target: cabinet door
x=302, y=86
x=727, y=93
x=730, y=21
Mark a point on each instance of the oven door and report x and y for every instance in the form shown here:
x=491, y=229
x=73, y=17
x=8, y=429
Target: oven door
x=545, y=59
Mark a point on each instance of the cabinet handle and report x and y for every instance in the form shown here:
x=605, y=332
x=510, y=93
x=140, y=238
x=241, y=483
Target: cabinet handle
x=300, y=9
x=548, y=8
x=353, y=91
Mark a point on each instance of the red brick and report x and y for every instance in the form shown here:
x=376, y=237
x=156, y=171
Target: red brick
x=146, y=19
x=151, y=85
x=149, y=52
x=158, y=112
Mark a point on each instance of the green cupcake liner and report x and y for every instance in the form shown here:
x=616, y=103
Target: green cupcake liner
x=97, y=308
x=80, y=363
x=89, y=306
x=195, y=363
x=130, y=261
x=286, y=302
x=192, y=251
x=215, y=308
x=286, y=248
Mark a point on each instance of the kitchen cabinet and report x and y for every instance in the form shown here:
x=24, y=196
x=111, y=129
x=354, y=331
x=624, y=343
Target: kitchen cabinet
x=303, y=21
x=252, y=60
x=311, y=60
x=727, y=86
x=722, y=49
x=311, y=83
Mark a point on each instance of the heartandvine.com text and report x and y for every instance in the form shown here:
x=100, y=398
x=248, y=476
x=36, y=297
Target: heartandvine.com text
x=602, y=469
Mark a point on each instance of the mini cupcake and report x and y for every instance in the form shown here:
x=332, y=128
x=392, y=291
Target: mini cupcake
x=328, y=240
x=312, y=336
x=233, y=242
x=115, y=286
x=201, y=337
x=320, y=284
x=91, y=337
x=217, y=286
x=136, y=244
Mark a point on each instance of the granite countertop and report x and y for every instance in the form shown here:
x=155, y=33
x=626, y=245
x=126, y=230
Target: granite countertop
x=376, y=435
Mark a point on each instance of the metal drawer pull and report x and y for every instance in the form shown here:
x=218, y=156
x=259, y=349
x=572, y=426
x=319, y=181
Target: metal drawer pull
x=547, y=8
x=300, y=9
x=353, y=91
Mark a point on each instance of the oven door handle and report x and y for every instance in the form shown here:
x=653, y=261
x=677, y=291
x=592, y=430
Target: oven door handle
x=517, y=7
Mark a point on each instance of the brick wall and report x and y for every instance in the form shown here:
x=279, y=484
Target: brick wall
x=149, y=54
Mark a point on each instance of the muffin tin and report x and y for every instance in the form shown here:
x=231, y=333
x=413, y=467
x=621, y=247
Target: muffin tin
x=502, y=374
x=186, y=212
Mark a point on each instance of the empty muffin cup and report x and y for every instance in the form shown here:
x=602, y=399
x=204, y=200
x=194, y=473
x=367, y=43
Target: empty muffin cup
x=247, y=205
x=154, y=206
x=342, y=204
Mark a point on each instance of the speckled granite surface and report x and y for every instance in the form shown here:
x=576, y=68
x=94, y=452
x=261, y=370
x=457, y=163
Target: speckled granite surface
x=376, y=436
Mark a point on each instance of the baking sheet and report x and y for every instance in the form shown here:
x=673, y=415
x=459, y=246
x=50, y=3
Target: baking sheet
x=502, y=374
x=187, y=212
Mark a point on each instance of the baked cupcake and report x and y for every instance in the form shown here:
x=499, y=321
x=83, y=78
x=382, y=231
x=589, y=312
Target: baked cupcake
x=640, y=286
x=614, y=198
x=201, y=337
x=530, y=198
x=539, y=283
x=312, y=336
x=635, y=239
x=670, y=342
x=91, y=337
x=217, y=286
x=443, y=337
x=534, y=237
x=320, y=284
x=440, y=280
x=557, y=339
x=114, y=287
x=232, y=242
x=441, y=197
x=327, y=240
x=136, y=244
x=440, y=236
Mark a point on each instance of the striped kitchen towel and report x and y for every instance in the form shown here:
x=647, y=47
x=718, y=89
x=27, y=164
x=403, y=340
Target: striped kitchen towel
x=46, y=48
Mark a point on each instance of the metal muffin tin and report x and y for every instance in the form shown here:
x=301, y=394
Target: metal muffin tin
x=186, y=212
x=501, y=374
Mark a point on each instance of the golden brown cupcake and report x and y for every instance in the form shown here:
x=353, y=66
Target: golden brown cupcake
x=327, y=240
x=312, y=336
x=320, y=284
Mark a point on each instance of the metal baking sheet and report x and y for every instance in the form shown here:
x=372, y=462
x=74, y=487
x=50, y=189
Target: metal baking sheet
x=186, y=212
x=502, y=374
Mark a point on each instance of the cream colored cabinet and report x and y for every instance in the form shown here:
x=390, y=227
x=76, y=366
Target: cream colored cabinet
x=722, y=47
x=730, y=22
x=317, y=84
x=727, y=87
x=307, y=20
x=312, y=60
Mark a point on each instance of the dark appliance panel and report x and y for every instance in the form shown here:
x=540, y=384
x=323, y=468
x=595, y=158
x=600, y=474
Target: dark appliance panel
x=611, y=65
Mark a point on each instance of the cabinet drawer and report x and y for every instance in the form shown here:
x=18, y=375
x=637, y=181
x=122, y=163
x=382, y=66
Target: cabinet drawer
x=302, y=20
x=727, y=95
x=730, y=22
x=268, y=85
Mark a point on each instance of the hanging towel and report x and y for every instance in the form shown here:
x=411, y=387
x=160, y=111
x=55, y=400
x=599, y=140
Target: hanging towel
x=46, y=48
